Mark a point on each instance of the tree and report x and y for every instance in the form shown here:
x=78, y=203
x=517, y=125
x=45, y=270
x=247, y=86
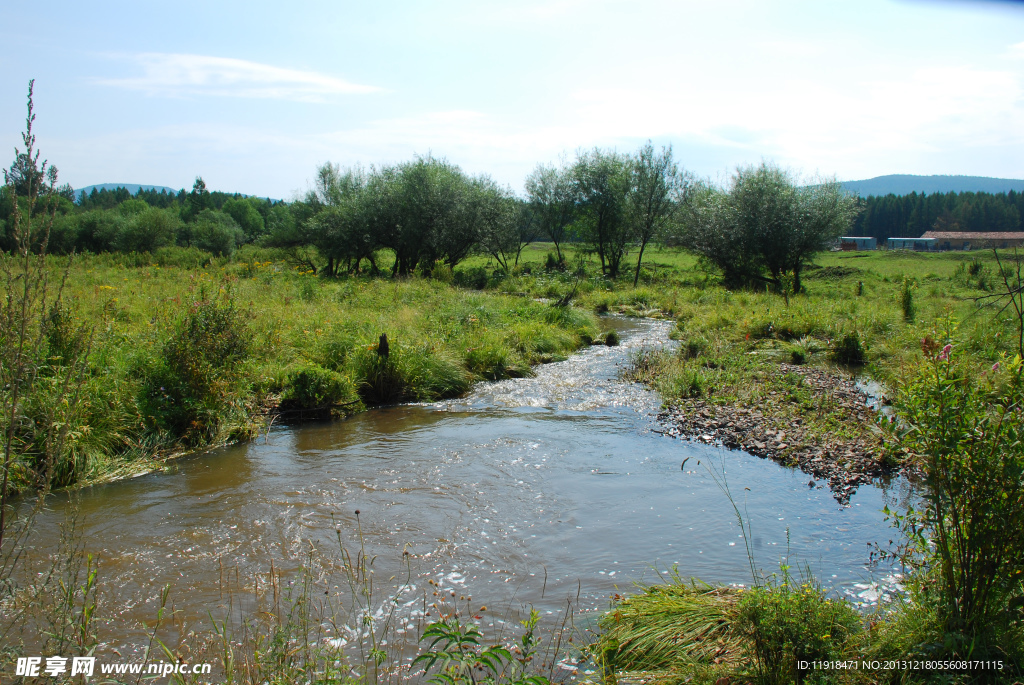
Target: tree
x=196, y=201
x=602, y=187
x=501, y=227
x=246, y=215
x=552, y=198
x=764, y=228
x=656, y=188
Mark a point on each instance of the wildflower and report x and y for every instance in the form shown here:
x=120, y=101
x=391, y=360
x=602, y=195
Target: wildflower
x=944, y=355
x=995, y=367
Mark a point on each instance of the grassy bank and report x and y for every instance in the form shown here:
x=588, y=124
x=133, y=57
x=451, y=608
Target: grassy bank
x=187, y=351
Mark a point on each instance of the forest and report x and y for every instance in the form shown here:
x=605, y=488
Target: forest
x=908, y=216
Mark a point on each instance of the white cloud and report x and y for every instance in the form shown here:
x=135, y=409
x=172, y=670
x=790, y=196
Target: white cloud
x=175, y=75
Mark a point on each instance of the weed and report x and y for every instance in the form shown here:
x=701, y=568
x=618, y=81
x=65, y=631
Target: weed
x=848, y=350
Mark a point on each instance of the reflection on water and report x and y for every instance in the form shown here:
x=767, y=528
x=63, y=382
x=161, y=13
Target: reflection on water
x=529, y=490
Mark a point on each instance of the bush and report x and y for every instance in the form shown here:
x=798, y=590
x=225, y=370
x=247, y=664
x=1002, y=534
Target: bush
x=611, y=339
x=785, y=624
x=906, y=300
x=193, y=384
x=314, y=387
x=146, y=230
x=965, y=432
x=475, y=277
x=848, y=350
x=216, y=232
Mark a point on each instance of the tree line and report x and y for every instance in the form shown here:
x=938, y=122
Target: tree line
x=762, y=227
x=900, y=216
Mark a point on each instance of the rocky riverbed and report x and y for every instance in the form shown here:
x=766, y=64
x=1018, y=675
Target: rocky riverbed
x=776, y=430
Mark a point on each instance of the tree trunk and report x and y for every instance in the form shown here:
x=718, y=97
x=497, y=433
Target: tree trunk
x=639, y=259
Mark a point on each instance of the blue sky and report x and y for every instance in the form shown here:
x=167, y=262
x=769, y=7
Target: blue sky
x=252, y=96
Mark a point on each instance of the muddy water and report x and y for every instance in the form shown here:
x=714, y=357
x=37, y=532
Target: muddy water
x=525, y=491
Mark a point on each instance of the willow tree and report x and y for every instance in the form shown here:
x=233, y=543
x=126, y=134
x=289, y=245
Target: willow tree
x=602, y=180
x=657, y=187
x=764, y=227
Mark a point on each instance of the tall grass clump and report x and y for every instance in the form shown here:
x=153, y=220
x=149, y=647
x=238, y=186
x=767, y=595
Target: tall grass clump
x=671, y=627
x=406, y=373
x=848, y=350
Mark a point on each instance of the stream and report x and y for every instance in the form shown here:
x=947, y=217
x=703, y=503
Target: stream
x=525, y=492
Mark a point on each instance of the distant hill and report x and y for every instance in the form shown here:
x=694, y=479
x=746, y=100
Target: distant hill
x=905, y=184
x=130, y=187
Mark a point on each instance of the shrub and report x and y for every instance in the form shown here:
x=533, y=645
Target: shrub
x=552, y=263
x=848, y=350
x=146, y=230
x=314, y=387
x=785, y=624
x=216, y=232
x=906, y=300
x=797, y=356
x=475, y=277
x=193, y=383
x=964, y=432
x=611, y=339
x=65, y=340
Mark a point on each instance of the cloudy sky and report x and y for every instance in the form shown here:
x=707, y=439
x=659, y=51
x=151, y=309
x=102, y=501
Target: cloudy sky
x=252, y=96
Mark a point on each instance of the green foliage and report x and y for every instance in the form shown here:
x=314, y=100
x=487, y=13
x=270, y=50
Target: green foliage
x=314, y=387
x=848, y=350
x=406, y=374
x=784, y=623
x=215, y=232
x=906, y=300
x=963, y=430
x=247, y=216
x=671, y=626
x=457, y=657
x=197, y=370
x=475, y=278
x=146, y=229
x=765, y=228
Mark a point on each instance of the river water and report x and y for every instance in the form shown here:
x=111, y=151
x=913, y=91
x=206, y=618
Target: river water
x=526, y=491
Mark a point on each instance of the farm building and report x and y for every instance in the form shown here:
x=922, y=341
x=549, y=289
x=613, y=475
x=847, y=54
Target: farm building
x=854, y=243
x=915, y=244
x=973, y=240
